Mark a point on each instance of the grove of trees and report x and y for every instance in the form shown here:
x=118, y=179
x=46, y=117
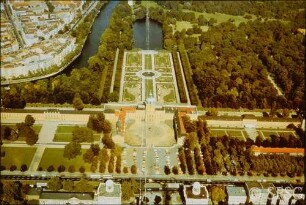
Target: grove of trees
x=210, y=154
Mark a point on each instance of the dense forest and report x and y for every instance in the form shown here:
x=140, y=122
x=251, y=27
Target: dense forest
x=231, y=64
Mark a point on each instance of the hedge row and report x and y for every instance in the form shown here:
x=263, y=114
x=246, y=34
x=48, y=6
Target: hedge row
x=188, y=76
x=118, y=71
x=179, y=78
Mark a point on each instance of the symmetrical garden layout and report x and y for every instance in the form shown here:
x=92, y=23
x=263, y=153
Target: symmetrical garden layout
x=146, y=72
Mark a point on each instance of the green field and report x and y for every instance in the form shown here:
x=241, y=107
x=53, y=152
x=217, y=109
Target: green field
x=54, y=156
x=217, y=133
x=17, y=156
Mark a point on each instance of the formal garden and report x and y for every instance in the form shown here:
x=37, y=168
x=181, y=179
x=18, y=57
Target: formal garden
x=156, y=74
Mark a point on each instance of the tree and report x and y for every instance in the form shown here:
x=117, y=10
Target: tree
x=29, y=120
x=107, y=126
x=167, y=170
x=61, y=168
x=88, y=156
x=55, y=184
x=133, y=169
x=82, y=134
x=82, y=169
x=78, y=103
x=72, y=150
x=23, y=168
x=50, y=168
x=83, y=186
x=95, y=149
x=13, y=167
x=68, y=185
x=108, y=142
x=50, y=7
x=217, y=194
x=157, y=199
x=175, y=170
x=127, y=191
x=71, y=169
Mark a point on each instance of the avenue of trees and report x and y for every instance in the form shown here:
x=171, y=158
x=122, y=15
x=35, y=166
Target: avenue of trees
x=205, y=153
x=24, y=130
x=58, y=184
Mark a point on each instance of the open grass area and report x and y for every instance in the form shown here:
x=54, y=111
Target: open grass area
x=17, y=156
x=54, y=156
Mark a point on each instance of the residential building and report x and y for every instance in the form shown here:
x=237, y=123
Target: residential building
x=50, y=197
x=275, y=150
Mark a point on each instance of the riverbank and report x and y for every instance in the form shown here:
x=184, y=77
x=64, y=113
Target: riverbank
x=54, y=70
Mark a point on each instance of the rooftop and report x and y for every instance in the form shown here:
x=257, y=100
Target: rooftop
x=235, y=191
x=67, y=195
x=203, y=193
x=277, y=150
x=115, y=193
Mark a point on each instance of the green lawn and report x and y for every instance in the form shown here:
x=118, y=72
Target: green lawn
x=132, y=69
x=65, y=128
x=54, y=156
x=149, y=87
x=234, y=133
x=162, y=60
x=17, y=156
x=148, y=62
x=66, y=137
x=217, y=133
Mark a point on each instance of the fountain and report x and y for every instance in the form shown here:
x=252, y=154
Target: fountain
x=147, y=29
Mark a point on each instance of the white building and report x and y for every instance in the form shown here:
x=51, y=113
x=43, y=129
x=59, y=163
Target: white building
x=236, y=195
x=109, y=193
x=196, y=194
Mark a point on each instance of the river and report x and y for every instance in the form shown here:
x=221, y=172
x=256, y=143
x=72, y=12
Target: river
x=93, y=40
x=100, y=24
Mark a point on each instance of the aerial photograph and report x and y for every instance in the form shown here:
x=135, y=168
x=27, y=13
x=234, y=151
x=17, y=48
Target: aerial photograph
x=156, y=102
